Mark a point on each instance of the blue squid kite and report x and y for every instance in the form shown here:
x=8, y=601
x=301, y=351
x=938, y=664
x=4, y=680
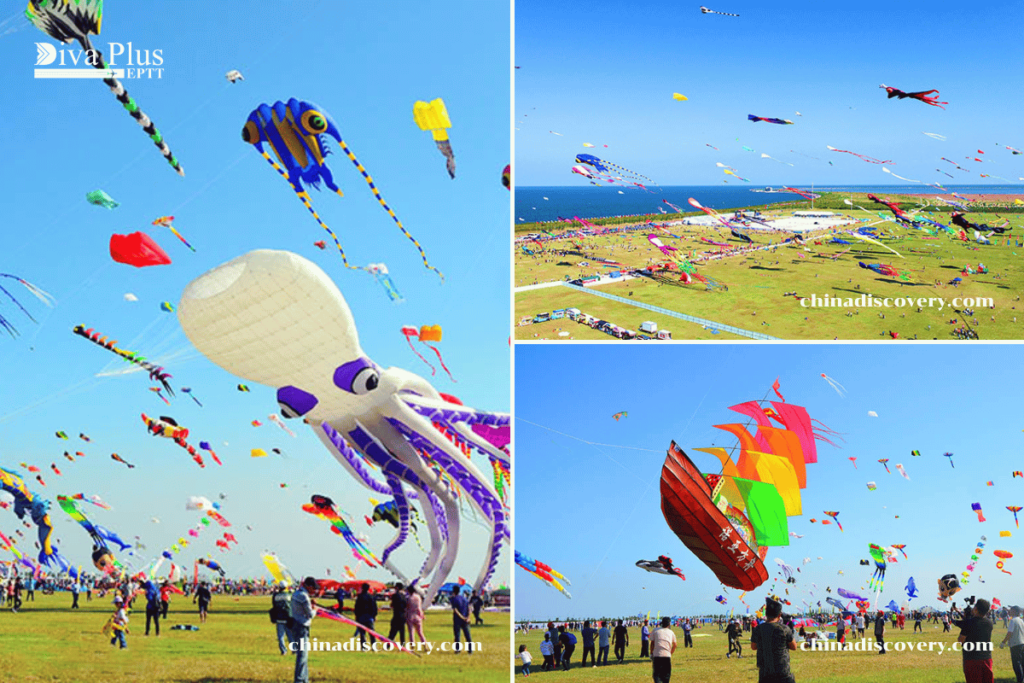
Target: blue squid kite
x=296, y=133
x=275, y=318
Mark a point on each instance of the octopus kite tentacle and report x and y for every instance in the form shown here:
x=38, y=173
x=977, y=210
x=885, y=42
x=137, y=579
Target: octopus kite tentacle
x=304, y=198
x=380, y=199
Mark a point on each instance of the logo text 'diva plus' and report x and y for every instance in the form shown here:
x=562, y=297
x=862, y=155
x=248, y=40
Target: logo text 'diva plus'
x=136, y=63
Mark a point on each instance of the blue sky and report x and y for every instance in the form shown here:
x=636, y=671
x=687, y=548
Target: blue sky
x=604, y=73
x=592, y=511
x=69, y=137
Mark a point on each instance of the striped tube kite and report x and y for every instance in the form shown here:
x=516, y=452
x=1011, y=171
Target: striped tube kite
x=543, y=572
x=156, y=372
x=433, y=116
x=296, y=132
x=76, y=20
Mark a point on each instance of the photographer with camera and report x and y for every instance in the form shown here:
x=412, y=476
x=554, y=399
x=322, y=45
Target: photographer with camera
x=976, y=641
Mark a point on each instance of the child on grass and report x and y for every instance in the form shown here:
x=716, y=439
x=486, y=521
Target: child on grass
x=525, y=656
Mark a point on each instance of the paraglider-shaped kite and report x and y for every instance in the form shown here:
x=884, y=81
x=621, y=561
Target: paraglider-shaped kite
x=234, y=76
x=363, y=414
x=38, y=293
x=65, y=21
x=662, y=565
x=433, y=116
x=296, y=133
x=506, y=177
x=921, y=96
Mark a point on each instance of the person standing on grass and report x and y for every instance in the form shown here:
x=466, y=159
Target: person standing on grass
x=152, y=606
x=880, y=632
x=365, y=611
x=588, y=634
x=414, y=614
x=460, y=618
x=841, y=632
x=547, y=650
x=203, y=598
x=976, y=639
x=663, y=645
x=119, y=623
x=603, y=642
x=621, y=641
x=74, y=595
x=280, y=615
x=16, y=594
x=645, y=635
x=556, y=644
x=687, y=638
x=1015, y=639
x=399, y=603
x=302, y=611
x=30, y=589
x=772, y=642
x=917, y=622
x=477, y=603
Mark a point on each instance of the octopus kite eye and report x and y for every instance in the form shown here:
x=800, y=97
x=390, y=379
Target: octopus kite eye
x=251, y=132
x=295, y=402
x=314, y=122
x=357, y=377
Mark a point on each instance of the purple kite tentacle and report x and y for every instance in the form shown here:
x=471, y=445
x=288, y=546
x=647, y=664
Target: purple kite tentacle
x=455, y=413
x=389, y=465
x=403, y=516
x=439, y=514
x=354, y=460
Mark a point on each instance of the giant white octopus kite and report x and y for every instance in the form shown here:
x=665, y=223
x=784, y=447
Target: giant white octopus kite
x=275, y=318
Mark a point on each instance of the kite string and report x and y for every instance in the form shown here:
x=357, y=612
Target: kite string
x=589, y=443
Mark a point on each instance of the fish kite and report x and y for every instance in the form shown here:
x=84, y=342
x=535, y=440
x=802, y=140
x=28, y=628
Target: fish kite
x=921, y=96
x=663, y=565
x=101, y=198
x=67, y=21
x=433, y=116
x=118, y=458
x=296, y=133
x=781, y=122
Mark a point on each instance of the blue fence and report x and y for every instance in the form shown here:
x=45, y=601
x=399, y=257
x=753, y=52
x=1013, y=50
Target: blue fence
x=672, y=314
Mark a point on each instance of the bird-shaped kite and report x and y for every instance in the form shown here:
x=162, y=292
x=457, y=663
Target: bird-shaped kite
x=835, y=516
x=950, y=456
x=900, y=547
x=854, y=461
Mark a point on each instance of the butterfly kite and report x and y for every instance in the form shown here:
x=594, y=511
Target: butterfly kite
x=66, y=21
x=296, y=132
x=921, y=96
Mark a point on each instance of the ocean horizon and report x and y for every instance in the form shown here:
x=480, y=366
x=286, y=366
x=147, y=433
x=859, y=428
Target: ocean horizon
x=548, y=203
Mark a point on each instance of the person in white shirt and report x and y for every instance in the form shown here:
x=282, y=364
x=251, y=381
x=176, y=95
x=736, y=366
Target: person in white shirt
x=547, y=650
x=1015, y=639
x=663, y=644
x=525, y=656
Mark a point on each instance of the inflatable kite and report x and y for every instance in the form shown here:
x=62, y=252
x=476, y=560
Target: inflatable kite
x=433, y=116
x=38, y=509
x=101, y=198
x=296, y=133
x=920, y=96
x=662, y=565
x=102, y=556
x=366, y=416
x=506, y=177
x=543, y=572
x=911, y=589
x=137, y=249
x=948, y=586
x=66, y=21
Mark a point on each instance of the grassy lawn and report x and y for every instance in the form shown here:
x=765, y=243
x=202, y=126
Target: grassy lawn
x=759, y=282
x=706, y=661
x=46, y=641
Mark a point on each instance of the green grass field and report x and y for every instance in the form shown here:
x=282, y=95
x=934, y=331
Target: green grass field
x=758, y=283
x=706, y=661
x=46, y=641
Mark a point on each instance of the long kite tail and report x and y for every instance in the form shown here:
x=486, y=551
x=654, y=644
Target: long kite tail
x=380, y=199
x=304, y=198
x=132, y=108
